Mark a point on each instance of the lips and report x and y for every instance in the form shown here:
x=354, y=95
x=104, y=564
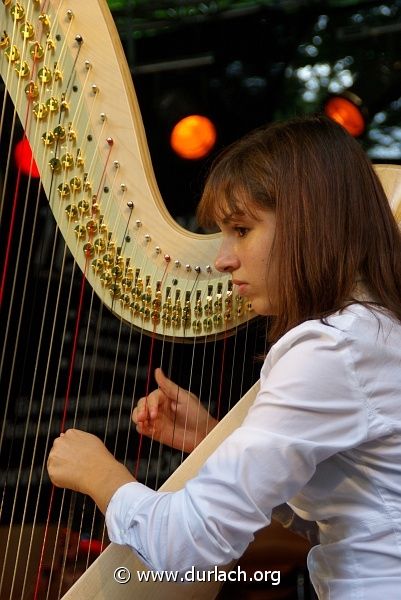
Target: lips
x=242, y=287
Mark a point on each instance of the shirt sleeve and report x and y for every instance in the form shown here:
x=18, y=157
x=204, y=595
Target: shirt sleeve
x=310, y=407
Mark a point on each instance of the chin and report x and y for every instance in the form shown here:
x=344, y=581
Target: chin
x=262, y=308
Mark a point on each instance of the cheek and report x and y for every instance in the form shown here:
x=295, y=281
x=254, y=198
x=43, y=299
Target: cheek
x=270, y=277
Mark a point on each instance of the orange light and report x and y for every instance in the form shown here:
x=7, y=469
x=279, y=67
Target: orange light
x=346, y=113
x=24, y=160
x=193, y=137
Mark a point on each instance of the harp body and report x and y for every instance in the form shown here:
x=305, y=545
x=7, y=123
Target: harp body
x=64, y=68
x=65, y=71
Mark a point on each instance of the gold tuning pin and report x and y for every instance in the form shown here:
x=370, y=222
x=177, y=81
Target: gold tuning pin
x=27, y=31
x=12, y=53
x=45, y=20
x=4, y=40
x=37, y=51
x=17, y=12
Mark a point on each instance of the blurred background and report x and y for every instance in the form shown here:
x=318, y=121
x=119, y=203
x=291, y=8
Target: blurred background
x=243, y=63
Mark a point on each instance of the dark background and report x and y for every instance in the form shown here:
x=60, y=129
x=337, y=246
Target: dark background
x=247, y=63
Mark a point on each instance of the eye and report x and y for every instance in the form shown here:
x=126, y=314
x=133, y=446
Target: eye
x=241, y=231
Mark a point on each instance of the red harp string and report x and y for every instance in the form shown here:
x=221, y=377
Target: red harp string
x=76, y=350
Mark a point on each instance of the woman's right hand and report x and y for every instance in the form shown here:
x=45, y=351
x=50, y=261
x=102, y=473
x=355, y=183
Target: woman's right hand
x=172, y=416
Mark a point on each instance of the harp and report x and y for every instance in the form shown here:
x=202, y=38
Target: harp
x=65, y=73
x=64, y=70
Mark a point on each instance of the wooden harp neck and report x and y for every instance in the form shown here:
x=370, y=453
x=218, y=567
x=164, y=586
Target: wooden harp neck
x=66, y=73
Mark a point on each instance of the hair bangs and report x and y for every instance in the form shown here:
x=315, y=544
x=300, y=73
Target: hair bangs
x=232, y=188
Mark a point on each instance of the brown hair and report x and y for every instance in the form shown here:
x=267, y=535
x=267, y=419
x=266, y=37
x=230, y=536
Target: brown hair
x=334, y=224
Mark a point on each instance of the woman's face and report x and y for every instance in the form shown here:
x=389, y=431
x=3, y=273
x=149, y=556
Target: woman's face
x=246, y=253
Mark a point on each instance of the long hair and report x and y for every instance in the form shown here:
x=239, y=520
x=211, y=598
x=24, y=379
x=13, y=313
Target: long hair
x=334, y=225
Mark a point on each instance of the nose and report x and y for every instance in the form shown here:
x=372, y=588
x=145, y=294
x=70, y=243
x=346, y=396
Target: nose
x=227, y=260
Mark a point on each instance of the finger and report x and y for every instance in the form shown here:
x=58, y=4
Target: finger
x=141, y=410
x=145, y=428
x=140, y=416
x=167, y=386
x=142, y=428
x=150, y=406
x=154, y=403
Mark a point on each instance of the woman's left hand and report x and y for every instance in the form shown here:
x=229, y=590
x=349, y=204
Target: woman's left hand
x=80, y=461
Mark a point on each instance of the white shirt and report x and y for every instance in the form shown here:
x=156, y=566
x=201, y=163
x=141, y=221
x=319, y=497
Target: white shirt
x=324, y=435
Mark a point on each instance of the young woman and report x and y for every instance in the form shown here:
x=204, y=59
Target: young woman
x=309, y=238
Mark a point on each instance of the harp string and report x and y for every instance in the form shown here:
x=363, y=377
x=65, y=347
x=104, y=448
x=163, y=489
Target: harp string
x=67, y=540
x=147, y=392
x=62, y=424
x=69, y=529
x=105, y=435
x=201, y=383
x=77, y=406
x=167, y=354
x=29, y=477
x=70, y=513
x=149, y=386
x=37, y=431
x=86, y=419
x=15, y=196
x=134, y=397
x=11, y=227
x=8, y=157
x=41, y=409
x=191, y=370
x=7, y=347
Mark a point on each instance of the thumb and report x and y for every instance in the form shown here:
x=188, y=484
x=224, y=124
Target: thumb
x=167, y=386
